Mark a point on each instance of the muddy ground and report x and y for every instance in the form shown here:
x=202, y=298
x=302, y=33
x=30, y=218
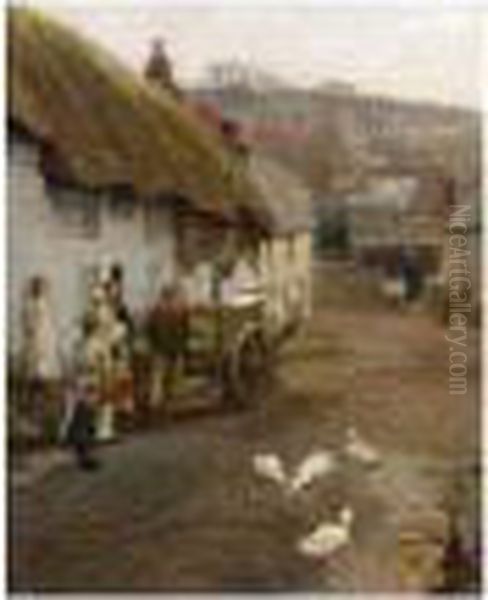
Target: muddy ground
x=180, y=508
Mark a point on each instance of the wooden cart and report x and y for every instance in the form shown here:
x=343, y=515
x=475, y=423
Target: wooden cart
x=228, y=345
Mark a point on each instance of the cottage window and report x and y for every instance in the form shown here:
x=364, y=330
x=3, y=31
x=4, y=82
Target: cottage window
x=155, y=221
x=196, y=242
x=122, y=202
x=76, y=212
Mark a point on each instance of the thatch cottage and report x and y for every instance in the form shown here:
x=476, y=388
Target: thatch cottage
x=280, y=251
x=102, y=166
x=286, y=253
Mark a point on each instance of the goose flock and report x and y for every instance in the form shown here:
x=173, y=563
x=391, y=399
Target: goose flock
x=329, y=536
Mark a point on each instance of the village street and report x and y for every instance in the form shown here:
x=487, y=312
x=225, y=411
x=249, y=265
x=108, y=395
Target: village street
x=182, y=508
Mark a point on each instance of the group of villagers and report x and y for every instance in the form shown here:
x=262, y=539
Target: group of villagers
x=100, y=389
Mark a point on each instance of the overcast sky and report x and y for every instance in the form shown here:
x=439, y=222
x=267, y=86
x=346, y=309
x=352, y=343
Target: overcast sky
x=415, y=53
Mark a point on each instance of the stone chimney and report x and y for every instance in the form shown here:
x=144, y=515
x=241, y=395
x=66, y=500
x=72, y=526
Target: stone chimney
x=158, y=71
x=233, y=135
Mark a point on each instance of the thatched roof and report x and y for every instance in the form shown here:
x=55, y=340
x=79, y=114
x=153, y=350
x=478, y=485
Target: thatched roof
x=285, y=201
x=107, y=127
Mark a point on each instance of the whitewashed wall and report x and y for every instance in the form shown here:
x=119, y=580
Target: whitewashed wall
x=286, y=268
x=38, y=246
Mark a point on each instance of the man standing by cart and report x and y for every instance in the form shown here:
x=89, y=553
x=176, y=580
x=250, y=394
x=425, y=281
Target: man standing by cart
x=167, y=333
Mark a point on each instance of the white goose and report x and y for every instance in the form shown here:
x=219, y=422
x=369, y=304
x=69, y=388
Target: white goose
x=271, y=467
x=328, y=537
x=360, y=450
x=317, y=464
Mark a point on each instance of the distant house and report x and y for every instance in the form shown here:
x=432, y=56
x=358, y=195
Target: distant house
x=394, y=214
x=103, y=167
x=330, y=224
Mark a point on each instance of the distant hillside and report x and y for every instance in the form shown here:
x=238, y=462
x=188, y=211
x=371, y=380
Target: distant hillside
x=334, y=134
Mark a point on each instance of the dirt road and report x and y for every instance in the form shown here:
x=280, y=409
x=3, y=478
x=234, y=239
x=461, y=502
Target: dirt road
x=182, y=509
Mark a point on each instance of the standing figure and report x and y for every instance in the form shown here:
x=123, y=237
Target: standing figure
x=114, y=288
x=97, y=356
x=412, y=276
x=121, y=393
x=81, y=429
x=167, y=333
x=40, y=351
x=122, y=385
